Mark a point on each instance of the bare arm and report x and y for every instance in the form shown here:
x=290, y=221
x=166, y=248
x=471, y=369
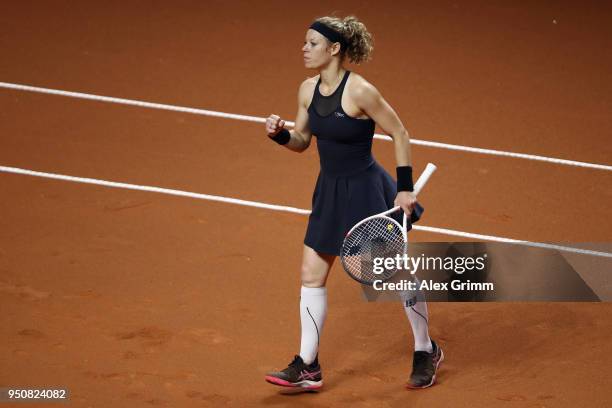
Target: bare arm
x=374, y=105
x=300, y=135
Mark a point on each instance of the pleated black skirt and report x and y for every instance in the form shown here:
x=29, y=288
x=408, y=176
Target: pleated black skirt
x=339, y=202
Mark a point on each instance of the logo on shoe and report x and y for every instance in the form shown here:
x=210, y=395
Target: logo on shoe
x=307, y=375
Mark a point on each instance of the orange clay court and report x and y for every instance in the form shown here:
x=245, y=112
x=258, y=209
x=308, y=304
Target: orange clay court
x=139, y=299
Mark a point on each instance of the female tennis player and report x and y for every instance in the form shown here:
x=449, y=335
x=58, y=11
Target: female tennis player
x=341, y=109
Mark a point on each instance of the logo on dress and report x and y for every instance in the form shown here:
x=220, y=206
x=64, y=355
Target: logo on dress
x=339, y=114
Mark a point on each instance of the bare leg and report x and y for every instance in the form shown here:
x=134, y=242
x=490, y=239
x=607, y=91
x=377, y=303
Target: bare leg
x=315, y=267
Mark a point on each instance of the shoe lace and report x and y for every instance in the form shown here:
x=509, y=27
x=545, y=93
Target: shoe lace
x=420, y=359
x=294, y=367
x=297, y=361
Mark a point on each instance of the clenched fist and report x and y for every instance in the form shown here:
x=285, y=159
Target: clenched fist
x=274, y=124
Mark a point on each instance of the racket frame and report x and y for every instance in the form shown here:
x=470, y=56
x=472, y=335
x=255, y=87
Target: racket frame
x=387, y=219
x=418, y=186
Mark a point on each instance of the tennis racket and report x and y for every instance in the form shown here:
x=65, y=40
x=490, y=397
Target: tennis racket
x=378, y=236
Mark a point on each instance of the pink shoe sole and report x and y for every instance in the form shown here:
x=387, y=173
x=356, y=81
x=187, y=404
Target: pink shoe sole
x=306, y=384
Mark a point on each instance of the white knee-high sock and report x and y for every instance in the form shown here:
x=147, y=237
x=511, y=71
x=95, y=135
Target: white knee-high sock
x=313, y=310
x=418, y=317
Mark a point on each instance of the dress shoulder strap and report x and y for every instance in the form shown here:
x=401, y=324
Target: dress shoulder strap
x=343, y=82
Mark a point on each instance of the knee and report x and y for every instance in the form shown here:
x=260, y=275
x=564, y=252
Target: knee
x=311, y=278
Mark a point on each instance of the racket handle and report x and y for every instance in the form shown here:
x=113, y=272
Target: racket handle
x=429, y=170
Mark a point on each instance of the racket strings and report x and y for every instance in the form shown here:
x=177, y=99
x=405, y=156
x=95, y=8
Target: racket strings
x=378, y=237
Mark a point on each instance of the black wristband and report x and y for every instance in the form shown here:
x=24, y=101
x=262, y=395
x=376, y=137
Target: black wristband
x=281, y=137
x=404, y=178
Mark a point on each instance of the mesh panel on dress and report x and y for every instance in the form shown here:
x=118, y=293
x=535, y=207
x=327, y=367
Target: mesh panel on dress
x=326, y=105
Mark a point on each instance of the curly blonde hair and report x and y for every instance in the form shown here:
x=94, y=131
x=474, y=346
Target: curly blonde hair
x=360, y=43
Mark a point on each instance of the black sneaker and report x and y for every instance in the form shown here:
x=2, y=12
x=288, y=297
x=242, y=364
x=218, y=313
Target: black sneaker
x=424, y=367
x=298, y=374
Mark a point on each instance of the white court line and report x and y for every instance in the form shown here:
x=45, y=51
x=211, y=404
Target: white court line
x=294, y=210
x=205, y=112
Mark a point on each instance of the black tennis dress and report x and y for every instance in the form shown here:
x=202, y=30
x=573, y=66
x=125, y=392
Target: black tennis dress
x=351, y=184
